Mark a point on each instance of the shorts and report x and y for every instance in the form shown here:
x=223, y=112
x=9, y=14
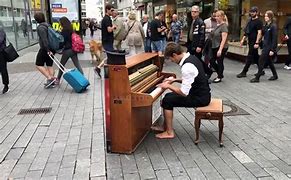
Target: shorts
x=43, y=58
x=157, y=46
x=172, y=100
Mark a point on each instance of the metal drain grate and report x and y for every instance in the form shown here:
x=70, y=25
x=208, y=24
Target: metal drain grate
x=35, y=111
x=231, y=109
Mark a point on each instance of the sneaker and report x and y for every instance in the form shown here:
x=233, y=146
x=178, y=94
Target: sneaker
x=5, y=89
x=287, y=67
x=50, y=83
x=216, y=80
x=254, y=80
x=98, y=71
x=57, y=81
x=241, y=75
x=273, y=78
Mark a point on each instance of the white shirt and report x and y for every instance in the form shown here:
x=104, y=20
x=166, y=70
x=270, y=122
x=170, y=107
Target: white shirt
x=189, y=73
x=145, y=28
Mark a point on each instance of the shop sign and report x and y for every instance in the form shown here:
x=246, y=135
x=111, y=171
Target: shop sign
x=67, y=8
x=36, y=4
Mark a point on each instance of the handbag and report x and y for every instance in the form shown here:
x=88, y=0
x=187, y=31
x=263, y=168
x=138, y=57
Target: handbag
x=10, y=52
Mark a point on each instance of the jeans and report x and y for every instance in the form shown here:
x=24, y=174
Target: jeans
x=217, y=62
x=69, y=53
x=253, y=57
x=265, y=58
x=147, y=45
x=108, y=46
x=176, y=38
x=3, y=69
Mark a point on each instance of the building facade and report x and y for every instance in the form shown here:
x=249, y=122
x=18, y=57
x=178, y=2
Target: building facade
x=16, y=17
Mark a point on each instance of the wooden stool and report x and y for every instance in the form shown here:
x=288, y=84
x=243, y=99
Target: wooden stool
x=214, y=111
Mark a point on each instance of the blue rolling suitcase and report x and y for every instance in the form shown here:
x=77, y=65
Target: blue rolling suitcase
x=74, y=77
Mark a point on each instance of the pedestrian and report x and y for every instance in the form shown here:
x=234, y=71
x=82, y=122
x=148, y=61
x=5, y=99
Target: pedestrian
x=146, y=30
x=67, y=31
x=3, y=61
x=252, y=31
x=210, y=24
x=120, y=32
x=24, y=27
x=270, y=43
x=176, y=29
x=135, y=36
x=194, y=90
x=107, y=29
x=219, y=45
x=155, y=31
x=42, y=57
x=287, y=33
x=196, y=33
x=84, y=27
x=92, y=27
x=164, y=32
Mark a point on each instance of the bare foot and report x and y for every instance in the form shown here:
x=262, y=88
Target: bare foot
x=158, y=128
x=166, y=135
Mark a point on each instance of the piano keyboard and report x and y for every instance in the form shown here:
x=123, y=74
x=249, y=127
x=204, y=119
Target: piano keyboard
x=140, y=74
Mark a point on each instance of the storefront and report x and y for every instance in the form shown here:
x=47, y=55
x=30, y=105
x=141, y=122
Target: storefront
x=16, y=17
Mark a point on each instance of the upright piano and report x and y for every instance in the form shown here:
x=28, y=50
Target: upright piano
x=132, y=100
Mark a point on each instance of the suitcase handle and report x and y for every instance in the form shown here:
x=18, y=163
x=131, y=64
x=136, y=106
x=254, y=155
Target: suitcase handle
x=57, y=62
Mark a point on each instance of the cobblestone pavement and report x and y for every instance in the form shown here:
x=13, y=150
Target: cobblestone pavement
x=68, y=142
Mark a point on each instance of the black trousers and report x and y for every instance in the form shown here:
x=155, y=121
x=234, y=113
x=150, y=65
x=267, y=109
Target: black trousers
x=3, y=69
x=253, y=57
x=265, y=58
x=217, y=62
x=289, y=52
x=172, y=100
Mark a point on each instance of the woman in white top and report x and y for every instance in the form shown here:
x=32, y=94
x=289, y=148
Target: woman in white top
x=135, y=37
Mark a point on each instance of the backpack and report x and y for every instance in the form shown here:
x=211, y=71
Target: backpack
x=55, y=39
x=77, y=43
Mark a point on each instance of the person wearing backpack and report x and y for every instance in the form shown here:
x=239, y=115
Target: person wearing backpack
x=67, y=31
x=42, y=57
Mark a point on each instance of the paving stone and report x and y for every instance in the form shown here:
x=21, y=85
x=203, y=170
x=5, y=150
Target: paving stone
x=14, y=153
x=114, y=173
x=51, y=169
x=163, y=174
x=31, y=175
x=256, y=170
x=20, y=170
x=132, y=176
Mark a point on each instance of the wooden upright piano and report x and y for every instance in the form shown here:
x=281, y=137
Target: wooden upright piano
x=132, y=100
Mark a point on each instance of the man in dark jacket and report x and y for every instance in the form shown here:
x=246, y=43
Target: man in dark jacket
x=3, y=62
x=287, y=33
x=42, y=57
x=194, y=90
x=196, y=34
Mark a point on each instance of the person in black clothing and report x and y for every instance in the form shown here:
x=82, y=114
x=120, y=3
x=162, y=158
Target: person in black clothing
x=155, y=34
x=67, y=31
x=196, y=34
x=270, y=33
x=42, y=57
x=253, y=31
x=287, y=33
x=3, y=62
x=164, y=32
x=84, y=27
x=92, y=28
x=194, y=90
x=107, y=29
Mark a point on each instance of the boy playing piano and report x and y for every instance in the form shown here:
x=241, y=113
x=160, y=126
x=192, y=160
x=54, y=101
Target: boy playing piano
x=194, y=90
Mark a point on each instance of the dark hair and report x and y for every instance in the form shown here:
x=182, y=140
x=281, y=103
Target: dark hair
x=271, y=15
x=172, y=48
x=66, y=24
x=108, y=7
x=159, y=13
x=39, y=17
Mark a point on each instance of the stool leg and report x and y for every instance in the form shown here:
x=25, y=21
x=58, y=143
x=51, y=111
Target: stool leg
x=220, y=125
x=197, y=127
